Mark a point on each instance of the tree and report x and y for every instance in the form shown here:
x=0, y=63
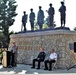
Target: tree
x=36, y=27
x=7, y=16
x=2, y=39
x=45, y=26
x=75, y=29
x=48, y=23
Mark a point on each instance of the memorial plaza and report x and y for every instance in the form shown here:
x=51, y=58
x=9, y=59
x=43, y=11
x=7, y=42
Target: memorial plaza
x=26, y=69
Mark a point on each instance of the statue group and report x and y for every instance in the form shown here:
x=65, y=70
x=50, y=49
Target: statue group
x=40, y=17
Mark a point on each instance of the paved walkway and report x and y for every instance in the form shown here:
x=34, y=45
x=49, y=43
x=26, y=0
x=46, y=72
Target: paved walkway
x=26, y=69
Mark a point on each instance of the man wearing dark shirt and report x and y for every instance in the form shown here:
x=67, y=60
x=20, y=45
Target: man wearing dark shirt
x=40, y=58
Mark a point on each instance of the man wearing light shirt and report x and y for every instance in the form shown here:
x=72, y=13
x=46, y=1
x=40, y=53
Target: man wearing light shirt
x=52, y=59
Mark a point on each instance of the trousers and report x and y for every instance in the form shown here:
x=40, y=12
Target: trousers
x=36, y=60
x=50, y=64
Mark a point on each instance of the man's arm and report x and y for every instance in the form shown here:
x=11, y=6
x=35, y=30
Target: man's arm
x=65, y=8
x=55, y=56
x=60, y=9
x=38, y=55
x=53, y=11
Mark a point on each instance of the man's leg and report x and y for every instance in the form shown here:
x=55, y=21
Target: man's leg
x=50, y=64
x=14, y=59
x=40, y=26
x=39, y=61
x=33, y=65
x=38, y=64
x=64, y=21
x=32, y=26
x=51, y=21
x=61, y=21
x=24, y=24
x=25, y=27
x=46, y=67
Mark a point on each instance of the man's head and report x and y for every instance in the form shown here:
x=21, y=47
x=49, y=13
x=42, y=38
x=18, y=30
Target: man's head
x=24, y=12
x=50, y=4
x=41, y=49
x=62, y=3
x=31, y=9
x=52, y=51
x=40, y=7
x=13, y=43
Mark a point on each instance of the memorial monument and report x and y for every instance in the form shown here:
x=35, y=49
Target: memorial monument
x=61, y=39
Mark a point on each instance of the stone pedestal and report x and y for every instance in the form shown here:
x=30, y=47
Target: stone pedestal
x=60, y=40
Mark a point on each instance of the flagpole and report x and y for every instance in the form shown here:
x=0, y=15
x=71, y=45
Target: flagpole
x=64, y=1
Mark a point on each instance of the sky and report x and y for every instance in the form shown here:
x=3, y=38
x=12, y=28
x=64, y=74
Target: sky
x=26, y=5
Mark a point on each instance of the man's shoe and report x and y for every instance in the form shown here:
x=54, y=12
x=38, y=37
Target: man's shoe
x=45, y=69
x=50, y=69
x=32, y=67
x=37, y=68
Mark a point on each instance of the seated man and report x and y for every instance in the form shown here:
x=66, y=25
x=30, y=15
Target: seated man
x=40, y=58
x=52, y=59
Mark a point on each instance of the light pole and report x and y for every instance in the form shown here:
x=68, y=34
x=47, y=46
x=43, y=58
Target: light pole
x=64, y=1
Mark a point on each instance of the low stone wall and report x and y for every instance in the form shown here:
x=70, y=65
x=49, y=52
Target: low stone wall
x=29, y=44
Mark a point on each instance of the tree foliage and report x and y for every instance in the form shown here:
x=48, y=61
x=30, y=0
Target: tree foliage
x=7, y=16
x=75, y=29
x=46, y=24
x=36, y=27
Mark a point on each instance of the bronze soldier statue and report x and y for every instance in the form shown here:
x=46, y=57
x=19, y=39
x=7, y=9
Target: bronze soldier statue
x=32, y=18
x=24, y=20
x=40, y=18
x=62, y=11
x=51, y=13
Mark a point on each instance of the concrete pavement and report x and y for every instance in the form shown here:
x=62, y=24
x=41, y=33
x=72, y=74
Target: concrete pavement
x=26, y=69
